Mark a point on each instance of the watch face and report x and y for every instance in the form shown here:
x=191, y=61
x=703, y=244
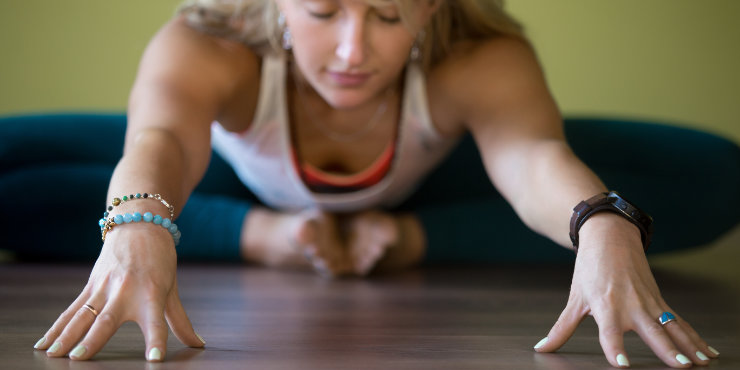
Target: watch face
x=629, y=209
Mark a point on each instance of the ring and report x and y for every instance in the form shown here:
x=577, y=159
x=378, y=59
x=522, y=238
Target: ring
x=91, y=309
x=666, y=317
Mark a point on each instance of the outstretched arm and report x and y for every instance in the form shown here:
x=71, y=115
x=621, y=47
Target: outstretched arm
x=518, y=129
x=181, y=86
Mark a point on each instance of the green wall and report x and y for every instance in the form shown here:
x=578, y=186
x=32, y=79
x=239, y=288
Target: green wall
x=663, y=60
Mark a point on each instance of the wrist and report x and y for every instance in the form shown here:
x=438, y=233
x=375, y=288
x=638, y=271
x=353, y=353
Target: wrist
x=141, y=202
x=610, y=202
x=607, y=228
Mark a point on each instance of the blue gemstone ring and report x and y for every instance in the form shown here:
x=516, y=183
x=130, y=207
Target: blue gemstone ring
x=666, y=317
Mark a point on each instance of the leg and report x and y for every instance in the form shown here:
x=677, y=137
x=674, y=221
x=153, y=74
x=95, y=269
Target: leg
x=665, y=171
x=54, y=172
x=465, y=220
x=687, y=180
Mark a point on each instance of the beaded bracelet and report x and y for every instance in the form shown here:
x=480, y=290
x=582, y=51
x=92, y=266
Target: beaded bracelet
x=117, y=201
x=106, y=225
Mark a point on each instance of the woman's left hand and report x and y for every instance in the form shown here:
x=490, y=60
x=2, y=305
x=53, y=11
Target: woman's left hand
x=613, y=283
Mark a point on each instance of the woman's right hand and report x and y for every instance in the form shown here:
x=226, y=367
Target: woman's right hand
x=134, y=279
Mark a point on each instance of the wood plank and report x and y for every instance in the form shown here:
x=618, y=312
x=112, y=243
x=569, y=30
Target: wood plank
x=432, y=318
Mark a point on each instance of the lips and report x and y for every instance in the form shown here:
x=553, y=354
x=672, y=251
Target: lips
x=348, y=79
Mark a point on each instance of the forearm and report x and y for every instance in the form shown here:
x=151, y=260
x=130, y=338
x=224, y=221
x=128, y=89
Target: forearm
x=553, y=182
x=154, y=162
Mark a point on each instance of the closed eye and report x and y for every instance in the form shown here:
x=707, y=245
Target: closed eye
x=322, y=15
x=390, y=20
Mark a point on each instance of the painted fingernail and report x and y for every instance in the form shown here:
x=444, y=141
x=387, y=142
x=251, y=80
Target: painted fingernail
x=541, y=343
x=622, y=360
x=78, y=351
x=702, y=356
x=713, y=350
x=155, y=354
x=201, y=338
x=682, y=359
x=43, y=340
x=54, y=347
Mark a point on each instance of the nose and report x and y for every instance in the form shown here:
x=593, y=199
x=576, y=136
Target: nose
x=351, y=48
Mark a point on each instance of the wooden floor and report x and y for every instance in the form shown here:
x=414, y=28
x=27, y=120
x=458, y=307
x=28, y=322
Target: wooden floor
x=435, y=318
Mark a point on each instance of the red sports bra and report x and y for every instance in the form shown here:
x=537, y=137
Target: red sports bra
x=322, y=181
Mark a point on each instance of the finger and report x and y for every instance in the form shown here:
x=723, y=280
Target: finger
x=611, y=338
x=680, y=336
x=61, y=322
x=654, y=335
x=106, y=324
x=704, y=347
x=154, y=327
x=563, y=329
x=178, y=320
x=76, y=328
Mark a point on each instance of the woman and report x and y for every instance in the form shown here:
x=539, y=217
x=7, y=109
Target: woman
x=331, y=111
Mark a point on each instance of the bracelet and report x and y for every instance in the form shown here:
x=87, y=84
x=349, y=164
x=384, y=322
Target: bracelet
x=106, y=225
x=611, y=202
x=117, y=201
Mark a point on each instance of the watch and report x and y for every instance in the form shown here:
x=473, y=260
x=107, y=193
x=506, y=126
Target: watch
x=610, y=202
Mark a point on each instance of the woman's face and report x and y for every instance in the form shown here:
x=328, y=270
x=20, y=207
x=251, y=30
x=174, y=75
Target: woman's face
x=349, y=51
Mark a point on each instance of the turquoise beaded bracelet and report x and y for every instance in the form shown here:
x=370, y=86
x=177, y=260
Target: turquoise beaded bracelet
x=106, y=225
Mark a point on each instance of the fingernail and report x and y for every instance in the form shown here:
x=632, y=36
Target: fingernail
x=702, y=356
x=541, y=343
x=682, y=359
x=622, y=360
x=54, y=347
x=713, y=350
x=43, y=340
x=155, y=354
x=78, y=351
x=201, y=338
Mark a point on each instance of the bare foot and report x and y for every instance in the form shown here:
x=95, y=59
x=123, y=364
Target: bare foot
x=305, y=239
x=370, y=235
x=323, y=244
x=385, y=241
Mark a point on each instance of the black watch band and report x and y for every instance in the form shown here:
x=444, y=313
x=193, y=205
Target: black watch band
x=610, y=202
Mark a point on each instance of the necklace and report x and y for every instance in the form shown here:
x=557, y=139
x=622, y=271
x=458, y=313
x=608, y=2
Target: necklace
x=341, y=136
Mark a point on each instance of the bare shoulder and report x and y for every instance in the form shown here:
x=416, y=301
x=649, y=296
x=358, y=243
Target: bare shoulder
x=474, y=65
x=483, y=80
x=196, y=66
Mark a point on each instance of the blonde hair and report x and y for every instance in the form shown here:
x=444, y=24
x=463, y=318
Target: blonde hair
x=255, y=23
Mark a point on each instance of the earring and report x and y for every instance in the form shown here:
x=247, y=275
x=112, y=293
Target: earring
x=287, y=38
x=415, y=53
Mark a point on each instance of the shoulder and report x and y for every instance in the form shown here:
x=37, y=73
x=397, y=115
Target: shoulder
x=503, y=51
x=480, y=79
x=181, y=58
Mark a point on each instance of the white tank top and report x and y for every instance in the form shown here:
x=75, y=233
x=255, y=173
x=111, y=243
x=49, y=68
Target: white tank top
x=262, y=155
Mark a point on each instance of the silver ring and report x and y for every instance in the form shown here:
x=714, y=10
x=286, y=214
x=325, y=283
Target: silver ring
x=666, y=317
